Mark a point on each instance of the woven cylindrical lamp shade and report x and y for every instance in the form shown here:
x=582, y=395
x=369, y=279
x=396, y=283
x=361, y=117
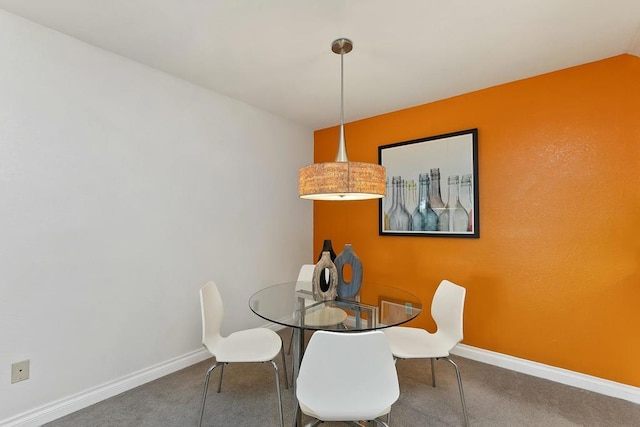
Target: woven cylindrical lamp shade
x=342, y=181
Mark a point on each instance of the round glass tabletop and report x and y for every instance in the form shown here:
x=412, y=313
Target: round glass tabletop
x=377, y=306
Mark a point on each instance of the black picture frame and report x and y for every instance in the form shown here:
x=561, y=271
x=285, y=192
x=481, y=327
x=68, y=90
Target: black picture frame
x=447, y=164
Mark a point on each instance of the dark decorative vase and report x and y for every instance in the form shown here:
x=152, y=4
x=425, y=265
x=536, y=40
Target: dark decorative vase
x=326, y=247
x=325, y=265
x=347, y=256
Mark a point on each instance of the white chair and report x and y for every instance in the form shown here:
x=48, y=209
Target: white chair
x=447, y=310
x=323, y=317
x=347, y=377
x=250, y=345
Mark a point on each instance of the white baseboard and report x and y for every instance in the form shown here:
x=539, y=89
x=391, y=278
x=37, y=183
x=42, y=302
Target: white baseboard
x=540, y=370
x=62, y=407
x=559, y=375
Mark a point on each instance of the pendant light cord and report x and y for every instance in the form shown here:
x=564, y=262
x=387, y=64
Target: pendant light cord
x=342, y=89
x=341, y=156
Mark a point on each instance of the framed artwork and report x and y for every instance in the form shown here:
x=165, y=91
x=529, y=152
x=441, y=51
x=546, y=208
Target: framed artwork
x=432, y=186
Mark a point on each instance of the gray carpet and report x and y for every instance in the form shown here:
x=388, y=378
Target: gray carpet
x=495, y=397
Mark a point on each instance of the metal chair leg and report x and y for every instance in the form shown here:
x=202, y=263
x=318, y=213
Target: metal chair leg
x=220, y=379
x=284, y=367
x=275, y=369
x=295, y=415
x=290, y=341
x=433, y=373
x=464, y=405
x=206, y=387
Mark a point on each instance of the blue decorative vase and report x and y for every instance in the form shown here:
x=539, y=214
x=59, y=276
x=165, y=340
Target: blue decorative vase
x=347, y=256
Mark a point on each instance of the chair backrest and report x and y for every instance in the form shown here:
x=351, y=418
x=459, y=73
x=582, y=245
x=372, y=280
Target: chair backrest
x=304, y=277
x=212, y=316
x=447, y=309
x=347, y=376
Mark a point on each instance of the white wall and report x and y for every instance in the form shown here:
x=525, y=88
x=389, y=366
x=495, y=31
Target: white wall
x=122, y=191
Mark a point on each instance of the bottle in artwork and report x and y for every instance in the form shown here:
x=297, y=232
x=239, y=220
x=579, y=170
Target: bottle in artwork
x=431, y=217
x=424, y=218
x=466, y=197
x=387, y=205
x=410, y=195
x=435, y=198
x=417, y=218
x=399, y=217
x=404, y=194
x=454, y=217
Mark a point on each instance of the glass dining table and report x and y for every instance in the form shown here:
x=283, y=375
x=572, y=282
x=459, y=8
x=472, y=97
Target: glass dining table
x=289, y=304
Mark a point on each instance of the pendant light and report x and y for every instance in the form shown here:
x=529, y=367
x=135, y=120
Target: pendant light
x=342, y=179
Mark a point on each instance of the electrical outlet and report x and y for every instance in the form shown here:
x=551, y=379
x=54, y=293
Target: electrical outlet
x=408, y=308
x=19, y=371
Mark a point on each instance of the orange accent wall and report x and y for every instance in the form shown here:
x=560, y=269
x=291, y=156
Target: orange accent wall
x=555, y=274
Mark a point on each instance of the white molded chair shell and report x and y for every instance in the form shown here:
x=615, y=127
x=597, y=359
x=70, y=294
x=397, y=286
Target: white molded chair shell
x=347, y=377
x=447, y=309
x=304, y=277
x=250, y=345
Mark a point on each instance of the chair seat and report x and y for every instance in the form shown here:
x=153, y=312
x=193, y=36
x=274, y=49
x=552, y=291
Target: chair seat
x=250, y=345
x=325, y=317
x=352, y=415
x=416, y=343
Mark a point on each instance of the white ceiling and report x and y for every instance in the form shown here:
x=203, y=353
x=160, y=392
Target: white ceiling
x=276, y=55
